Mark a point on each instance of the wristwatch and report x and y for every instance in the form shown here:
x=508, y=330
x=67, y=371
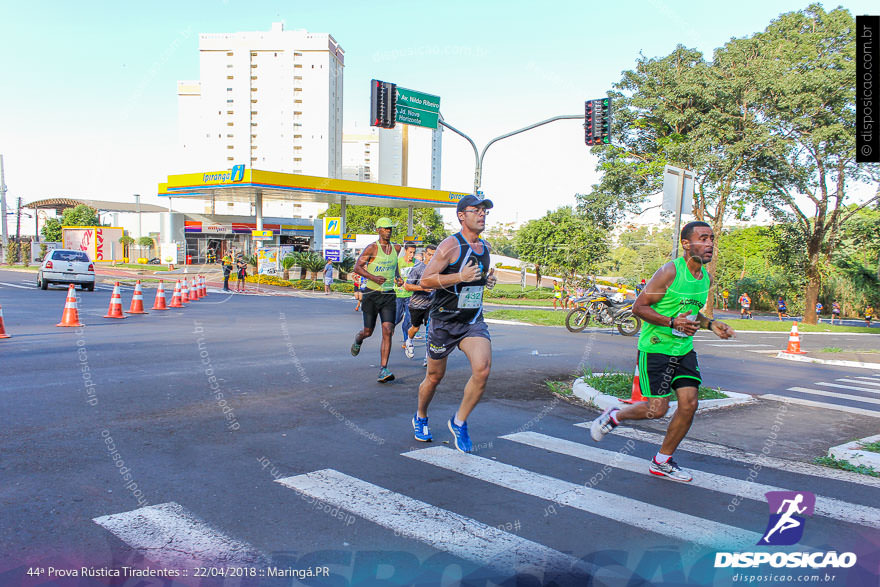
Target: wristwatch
x=672, y=321
x=709, y=327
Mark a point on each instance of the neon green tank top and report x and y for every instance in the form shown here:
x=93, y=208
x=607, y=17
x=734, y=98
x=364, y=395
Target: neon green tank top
x=384, y=265
x=685, y=293
x=403, y=269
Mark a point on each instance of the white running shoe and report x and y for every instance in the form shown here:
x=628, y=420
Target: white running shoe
x=408, y=349
x=670, y=470
x=603, y=425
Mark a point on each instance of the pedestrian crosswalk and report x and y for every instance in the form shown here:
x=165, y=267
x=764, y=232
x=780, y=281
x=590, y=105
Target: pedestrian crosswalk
x=172, y=535
x=854, y=395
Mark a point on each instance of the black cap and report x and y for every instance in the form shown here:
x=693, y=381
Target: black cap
x=472, y=200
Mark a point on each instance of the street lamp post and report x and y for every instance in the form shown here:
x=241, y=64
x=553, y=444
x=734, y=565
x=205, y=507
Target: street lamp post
x=478, y=172
x=137, y=201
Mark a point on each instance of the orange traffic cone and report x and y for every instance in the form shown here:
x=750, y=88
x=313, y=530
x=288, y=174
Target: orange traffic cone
x=70, y=317
x=193, y=291
x=197, y=282
x=204, y=286
x=636, y=395
x=115, y=310
x=175, y=297
x=794, y=342
x=184, y=292
x=159, y=304
x=137, y=300
x=2, y=328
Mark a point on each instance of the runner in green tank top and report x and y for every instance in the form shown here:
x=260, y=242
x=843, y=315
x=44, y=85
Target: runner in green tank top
x=378, y=266
x=670, y=307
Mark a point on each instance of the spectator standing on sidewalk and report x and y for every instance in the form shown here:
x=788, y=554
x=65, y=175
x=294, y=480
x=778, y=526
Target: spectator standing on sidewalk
x=227, y=270
x=328, y=276
x=241, y=264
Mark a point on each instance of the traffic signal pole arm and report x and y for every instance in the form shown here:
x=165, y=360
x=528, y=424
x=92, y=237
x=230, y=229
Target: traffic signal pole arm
x=479, y=158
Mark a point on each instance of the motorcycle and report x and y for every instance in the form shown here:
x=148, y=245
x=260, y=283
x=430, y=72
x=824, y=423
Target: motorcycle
x=605, y=311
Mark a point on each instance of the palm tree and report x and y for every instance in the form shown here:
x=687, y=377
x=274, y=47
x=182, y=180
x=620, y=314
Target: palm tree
x=286, y=263
x=345, y=266
x=312, y=261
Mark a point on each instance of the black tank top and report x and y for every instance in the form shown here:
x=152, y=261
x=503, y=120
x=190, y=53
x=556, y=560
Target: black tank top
x=462, y=302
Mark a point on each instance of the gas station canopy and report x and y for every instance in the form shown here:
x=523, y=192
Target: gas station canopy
x=246, y=185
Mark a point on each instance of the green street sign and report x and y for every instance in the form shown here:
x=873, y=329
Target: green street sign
x=417, y=108
x=418, y=100
x=416, y=117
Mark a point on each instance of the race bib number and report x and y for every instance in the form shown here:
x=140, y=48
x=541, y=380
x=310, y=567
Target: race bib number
x=470, y=297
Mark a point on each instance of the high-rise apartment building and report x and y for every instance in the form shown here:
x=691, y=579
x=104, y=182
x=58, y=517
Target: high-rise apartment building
x=271, y=100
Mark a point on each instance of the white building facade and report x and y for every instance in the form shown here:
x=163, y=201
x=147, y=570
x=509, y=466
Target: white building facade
x=271, y=100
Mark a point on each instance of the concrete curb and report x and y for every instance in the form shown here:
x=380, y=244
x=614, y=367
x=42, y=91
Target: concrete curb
x=603, y=401
x=852, y=452
x=802, y=359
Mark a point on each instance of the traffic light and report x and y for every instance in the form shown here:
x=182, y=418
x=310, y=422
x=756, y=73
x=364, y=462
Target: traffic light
x=597, y=121
x=383, y=103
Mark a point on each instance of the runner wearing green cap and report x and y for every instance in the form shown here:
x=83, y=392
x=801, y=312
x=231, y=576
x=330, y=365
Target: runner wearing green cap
x=378, y=266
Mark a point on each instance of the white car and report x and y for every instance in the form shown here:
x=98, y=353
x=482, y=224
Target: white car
x=66, y=266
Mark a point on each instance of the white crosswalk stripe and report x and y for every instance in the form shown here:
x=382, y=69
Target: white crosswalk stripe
x=846, y=396
x=825, y=506
x=734, y=454
x=854, y=388
x=815, y=404
x=442, y=529
x=871, y=381
x=170, y=535
x=625, y=510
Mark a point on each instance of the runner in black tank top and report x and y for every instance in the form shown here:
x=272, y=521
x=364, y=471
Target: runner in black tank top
x=458, y=272
x=446, y=304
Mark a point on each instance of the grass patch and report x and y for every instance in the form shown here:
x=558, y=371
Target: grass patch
x=560, y=387
x=26, y=268
x=845, y=465
x=776, y=326
x=871, y=447
x=539, y=317
x=620, y=385
x=519, y=302
x=832, y=349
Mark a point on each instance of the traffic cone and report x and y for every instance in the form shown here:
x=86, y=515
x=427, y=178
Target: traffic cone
x=2, y=328
x=193, y=291
x=137, y=300
x=184, y=292
x=175, y=297
x=199, y=287
x=636, y=394
x=204, y=286
x=115, y=310
x=70, y=317
x=794, y=342
x=159, y=304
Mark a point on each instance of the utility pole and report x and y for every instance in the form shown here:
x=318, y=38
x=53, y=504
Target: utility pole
x=137, y=199
x=3, y=201
x=18, y=227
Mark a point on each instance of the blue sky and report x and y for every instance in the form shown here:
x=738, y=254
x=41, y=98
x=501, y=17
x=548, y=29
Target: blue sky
x=88, y=107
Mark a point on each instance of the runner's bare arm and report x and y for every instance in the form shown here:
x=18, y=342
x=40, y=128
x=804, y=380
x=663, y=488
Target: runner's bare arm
x=360, y=266
x=654, y=291
x=446, y=254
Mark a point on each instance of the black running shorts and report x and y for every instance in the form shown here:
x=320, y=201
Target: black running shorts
x=660, y=374
x=444, y=336
x=419, y=316
x=376, y=304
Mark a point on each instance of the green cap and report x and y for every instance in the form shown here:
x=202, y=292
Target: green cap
x=384, y=222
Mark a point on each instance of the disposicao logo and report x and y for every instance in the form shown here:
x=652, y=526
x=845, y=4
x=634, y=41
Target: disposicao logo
x=787, y=511
x=784, y=528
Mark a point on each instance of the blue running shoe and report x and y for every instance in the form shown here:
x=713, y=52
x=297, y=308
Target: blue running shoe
x=462, y=439
x=420, y=429
x=355, y=349
x=385, y=375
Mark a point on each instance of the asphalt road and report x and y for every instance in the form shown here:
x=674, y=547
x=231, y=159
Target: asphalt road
x=305, y=462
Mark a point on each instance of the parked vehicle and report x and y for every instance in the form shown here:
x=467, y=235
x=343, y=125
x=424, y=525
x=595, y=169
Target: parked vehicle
x=605, y=311
x=66, y=266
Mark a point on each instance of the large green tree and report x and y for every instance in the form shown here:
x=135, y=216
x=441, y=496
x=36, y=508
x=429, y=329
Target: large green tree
x=427, y=222
x=562, y=241
x=678, y=109
x=803, y=66
x=81, y=215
